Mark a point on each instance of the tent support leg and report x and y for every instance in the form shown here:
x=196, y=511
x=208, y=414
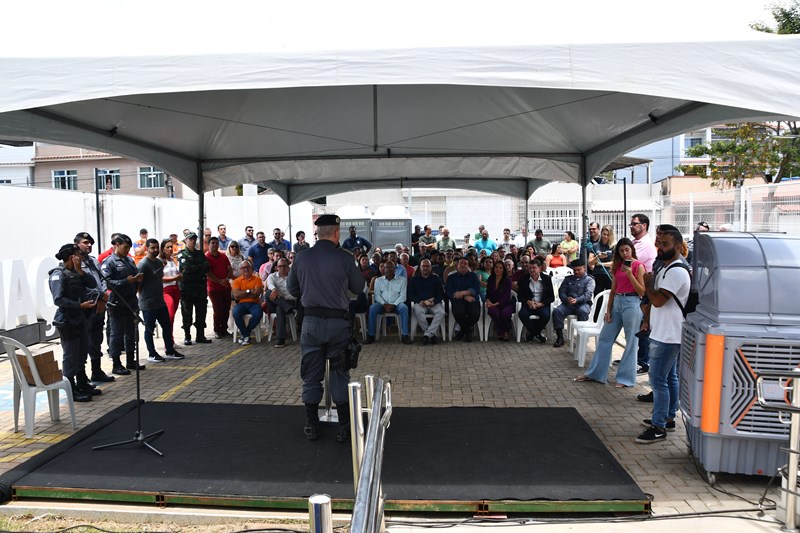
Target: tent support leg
x=201, y=203
x=584, y=213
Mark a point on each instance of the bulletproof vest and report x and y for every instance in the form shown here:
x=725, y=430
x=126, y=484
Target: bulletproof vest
x=73, y=287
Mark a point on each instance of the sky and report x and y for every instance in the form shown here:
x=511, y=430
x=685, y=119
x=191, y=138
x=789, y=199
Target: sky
x=145, y=27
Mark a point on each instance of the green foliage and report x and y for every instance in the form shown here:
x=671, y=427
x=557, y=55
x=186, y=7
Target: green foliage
x=743, y=151
x=770, y=151
x=787, y=18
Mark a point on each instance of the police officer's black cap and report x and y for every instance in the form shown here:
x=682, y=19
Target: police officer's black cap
x=83, y=235
x=577, y=263
x=328, y=220
x=704, y=224
x=122, y=239
x=66, y=251
x=190, y=235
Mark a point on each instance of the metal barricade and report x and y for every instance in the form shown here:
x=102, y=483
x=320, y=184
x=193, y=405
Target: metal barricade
x=786, y=382
x=369, y=504
x=367, y=450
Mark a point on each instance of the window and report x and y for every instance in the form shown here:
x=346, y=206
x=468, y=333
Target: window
x=151, y=178
x=65, y=179
x=692, y=141
x=107, y=179
x=5, y=182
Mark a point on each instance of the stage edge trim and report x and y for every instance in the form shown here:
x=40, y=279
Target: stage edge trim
x=443, y=506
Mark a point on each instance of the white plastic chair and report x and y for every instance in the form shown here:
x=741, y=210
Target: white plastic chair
x=451, y=322
x=291, y=319
x=256, y=330
x=560, y=272
x=29, y=392
x=583, y=331
x=428, y=314
x=516, y=330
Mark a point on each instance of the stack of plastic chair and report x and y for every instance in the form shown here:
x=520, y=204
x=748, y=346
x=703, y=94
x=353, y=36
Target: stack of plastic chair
x=29, y=392
x=583, y=331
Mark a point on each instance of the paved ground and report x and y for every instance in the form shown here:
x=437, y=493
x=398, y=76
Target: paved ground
x=491, y=374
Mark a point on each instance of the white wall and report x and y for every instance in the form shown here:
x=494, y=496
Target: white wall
x=50, y=218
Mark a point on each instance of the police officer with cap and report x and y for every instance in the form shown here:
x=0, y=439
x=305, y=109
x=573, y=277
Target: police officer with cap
x=321, y=277
x=123, y=277
x=96, y=320
x=193, y=266
x=70, y=287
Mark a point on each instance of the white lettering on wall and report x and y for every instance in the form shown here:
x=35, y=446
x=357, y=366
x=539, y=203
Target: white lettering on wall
x=25, y=296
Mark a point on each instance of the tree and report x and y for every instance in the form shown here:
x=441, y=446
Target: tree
x=743, y=151
x=787, y=18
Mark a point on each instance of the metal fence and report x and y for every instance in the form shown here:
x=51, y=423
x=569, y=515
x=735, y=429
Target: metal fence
x=760, y=208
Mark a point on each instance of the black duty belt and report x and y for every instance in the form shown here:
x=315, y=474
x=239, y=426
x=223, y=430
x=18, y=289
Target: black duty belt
x=326, y=312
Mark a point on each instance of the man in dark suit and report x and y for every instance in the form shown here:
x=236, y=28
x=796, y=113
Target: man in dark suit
x=535, y=293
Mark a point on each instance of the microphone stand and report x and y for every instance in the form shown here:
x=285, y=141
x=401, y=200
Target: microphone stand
x=591, y=248
x=138, y=436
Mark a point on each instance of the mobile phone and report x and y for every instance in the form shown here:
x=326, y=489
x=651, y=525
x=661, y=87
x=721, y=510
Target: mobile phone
x=628, y=263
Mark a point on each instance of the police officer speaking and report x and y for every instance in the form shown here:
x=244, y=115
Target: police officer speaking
x=321, y=277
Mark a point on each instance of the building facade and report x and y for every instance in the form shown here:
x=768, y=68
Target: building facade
x=79, y=169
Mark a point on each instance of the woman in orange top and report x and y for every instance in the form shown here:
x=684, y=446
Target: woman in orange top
x=556, y=258
x=247, y=290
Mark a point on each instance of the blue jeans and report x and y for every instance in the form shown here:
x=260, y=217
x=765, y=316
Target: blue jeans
x=377, y=309
x=626, y=314
x=162, y=316
x=664, y=381
x=247, y=308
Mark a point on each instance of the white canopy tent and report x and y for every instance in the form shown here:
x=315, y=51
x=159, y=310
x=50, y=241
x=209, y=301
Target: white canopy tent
x=313, y=117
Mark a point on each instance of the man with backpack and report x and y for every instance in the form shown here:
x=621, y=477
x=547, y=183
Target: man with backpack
x=668, y=291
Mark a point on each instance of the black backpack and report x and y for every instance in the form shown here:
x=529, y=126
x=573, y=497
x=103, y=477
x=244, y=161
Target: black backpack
x=693, y=299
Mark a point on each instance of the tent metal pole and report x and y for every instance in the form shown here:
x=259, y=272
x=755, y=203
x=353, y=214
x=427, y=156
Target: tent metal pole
x=201, y=203
x=584, y=213
x=289, y=207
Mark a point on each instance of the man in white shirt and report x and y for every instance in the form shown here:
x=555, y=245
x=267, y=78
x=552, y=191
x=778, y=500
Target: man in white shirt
x=390, y=297
x=505, y=243
x=668, y=291
x=280, y=300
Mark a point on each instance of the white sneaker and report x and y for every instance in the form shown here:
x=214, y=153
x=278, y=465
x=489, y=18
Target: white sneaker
x=245, y=341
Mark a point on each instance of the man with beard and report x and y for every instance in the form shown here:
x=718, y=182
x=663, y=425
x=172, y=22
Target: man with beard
x=668, y=292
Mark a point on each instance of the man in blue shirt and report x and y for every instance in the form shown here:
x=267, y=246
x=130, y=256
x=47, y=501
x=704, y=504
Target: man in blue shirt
x=354, y=242
x=463, y=288
x=576, y=294
x=485, y=243
x=258, y=252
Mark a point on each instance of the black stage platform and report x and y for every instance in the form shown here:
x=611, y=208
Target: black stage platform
x=450, y=459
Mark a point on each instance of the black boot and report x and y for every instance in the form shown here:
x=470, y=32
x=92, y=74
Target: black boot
x=559, y=339
x=82, y=381
x=77, y=394
x=98, y=375
x=118, y=369
x=343, y=410
x=132, y=364
x=312, y=421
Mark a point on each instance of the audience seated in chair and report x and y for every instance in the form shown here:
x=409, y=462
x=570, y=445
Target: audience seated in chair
x=536, y=296
x=390, y=297
x=576, y=293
